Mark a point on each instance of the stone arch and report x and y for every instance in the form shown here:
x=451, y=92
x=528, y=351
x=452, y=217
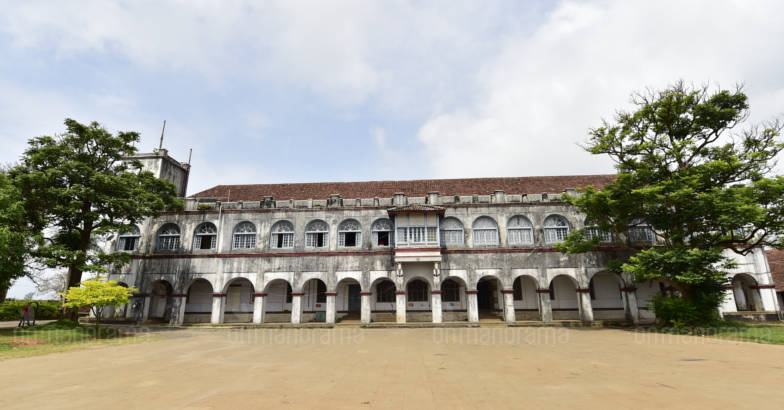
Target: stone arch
x=418, y=299
x=161, y=299
x=489, y=299
x=277, y=302
x=239, y=300
x=313, y=291
x=563, y=297
x=383, y=299
x=606, y=295
x=427, y=280
x=198, y=301
x=524, y=297
x=348, y=297
x=745, y=292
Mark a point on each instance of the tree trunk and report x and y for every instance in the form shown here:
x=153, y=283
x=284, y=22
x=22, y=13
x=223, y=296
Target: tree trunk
x=74, y=278
x=3, y=292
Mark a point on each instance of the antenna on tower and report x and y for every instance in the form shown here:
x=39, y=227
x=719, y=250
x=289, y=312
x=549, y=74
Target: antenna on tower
x=190, y=151
x=160, y=145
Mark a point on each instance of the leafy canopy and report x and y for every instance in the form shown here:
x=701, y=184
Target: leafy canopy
x=98, y=294
x=81, y=184
x=15, y=237
x=701, y=187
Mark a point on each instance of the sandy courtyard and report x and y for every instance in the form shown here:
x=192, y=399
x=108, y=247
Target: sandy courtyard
x=403, y=368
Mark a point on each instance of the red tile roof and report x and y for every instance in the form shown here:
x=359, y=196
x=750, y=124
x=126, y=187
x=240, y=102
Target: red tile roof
x=415, y=188
x=776, y=263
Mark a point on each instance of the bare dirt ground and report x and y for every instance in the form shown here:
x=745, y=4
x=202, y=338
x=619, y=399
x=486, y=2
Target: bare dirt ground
x=350, y=367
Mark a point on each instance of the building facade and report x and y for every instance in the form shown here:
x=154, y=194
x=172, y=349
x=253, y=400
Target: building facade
x=389, y=251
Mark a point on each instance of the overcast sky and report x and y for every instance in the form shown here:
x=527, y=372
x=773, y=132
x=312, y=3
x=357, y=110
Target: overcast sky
x=297, y=91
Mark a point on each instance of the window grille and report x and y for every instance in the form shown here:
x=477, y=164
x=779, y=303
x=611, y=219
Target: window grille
x=450, y=291
x=282, y=235
x=519, y=231
x=556, y=228
x=169, y=237
x=485, y=232
x=244, y=236
x=385, y=291
x=349, y=234
x=205, y=237
x=127, y=241
x=382, y=232
x=592, y=231
x=639, y=231
x=451, y=232
x=316, y=234
x=417, y=291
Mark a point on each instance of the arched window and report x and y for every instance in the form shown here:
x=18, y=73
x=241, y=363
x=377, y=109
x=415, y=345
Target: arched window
x=385, y=291
x=556, y=228
x=282, y=235
x=485, y=231
x=519, y=231
x=169, y=237
x=417, y=291
x=592, y=231
x=244, y=236
x=317, y=234
x=382, y=232
x=128, y=240
x=349, y=234
x=641, y=231
x=205, y=236
x=450, y=291
x=452, y=232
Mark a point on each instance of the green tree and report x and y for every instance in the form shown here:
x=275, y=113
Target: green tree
x=15, y=237
x=98, y=294
x=702, y=186
x=80, y=186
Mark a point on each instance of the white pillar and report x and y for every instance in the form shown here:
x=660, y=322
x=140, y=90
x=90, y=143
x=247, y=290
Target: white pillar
x=331, y=307
x=365, y=298
x=217, y=309
x=584, y=304
x=296, y=308
x=146, y=308
x=630, y=304
x=258, y=307
x=400, y=306
x=509, y=311
x=545, y=307
x=435, y=306
x=473, y=306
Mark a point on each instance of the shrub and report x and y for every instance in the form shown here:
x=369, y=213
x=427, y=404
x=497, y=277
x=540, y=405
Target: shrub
x=47, y=309
x=679, y=312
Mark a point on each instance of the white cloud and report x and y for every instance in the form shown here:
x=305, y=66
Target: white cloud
x=542, y=93
x=348, y=51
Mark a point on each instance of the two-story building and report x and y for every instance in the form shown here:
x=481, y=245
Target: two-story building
x=397, y=251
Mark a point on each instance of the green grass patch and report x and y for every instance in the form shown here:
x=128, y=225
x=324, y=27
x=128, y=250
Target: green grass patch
x=62, y=335
x=737, y=331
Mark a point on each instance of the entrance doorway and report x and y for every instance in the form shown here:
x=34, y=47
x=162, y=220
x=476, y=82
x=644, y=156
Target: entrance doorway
x=487, y=298
x=354, y=298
